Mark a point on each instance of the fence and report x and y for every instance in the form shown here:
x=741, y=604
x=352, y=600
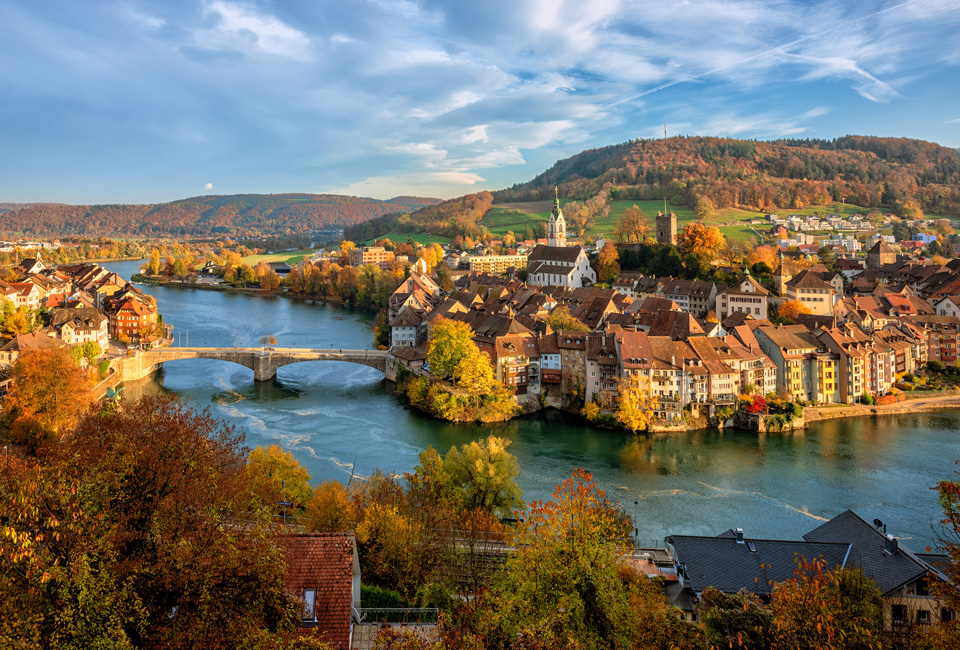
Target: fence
x=404, y=616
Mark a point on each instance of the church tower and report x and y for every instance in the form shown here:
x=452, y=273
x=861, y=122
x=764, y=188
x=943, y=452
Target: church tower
x=556, y=226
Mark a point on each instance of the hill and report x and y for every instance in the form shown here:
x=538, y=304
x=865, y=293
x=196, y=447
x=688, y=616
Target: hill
x=897, y=173
x=237, y=215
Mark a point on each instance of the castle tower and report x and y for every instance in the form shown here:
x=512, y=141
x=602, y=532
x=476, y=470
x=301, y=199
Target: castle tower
x=556, y=226
x=667, y=229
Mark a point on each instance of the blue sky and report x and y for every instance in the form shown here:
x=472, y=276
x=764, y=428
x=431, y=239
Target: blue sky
x=136, y=102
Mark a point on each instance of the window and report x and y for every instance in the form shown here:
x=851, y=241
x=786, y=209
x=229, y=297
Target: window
x=309, y=604
x=923, y=616
x=899, y=613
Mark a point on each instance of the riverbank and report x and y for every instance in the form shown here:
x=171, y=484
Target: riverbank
x=919, y=405
x=810, y=414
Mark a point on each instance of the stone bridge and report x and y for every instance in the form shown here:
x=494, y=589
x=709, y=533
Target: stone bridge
x=263, y=361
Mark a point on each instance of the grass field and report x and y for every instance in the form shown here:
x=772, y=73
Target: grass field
x=290, y=257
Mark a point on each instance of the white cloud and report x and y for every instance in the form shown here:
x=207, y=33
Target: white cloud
x=446, y=184
x=956, y=121
x=208, y=187
x=242, y=28
x=476, y=134
x=151, y=22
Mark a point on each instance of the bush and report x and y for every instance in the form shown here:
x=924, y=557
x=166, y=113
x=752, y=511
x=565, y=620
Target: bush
x=793, y=410
x=934, y=366
x=910, y=378
x=371, y=596
x=724, y=413
x=867, y=399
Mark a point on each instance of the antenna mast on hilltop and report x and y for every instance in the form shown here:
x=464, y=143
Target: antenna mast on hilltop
x=664, y=194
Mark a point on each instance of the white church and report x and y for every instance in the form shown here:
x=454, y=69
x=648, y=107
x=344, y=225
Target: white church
x=557, y=264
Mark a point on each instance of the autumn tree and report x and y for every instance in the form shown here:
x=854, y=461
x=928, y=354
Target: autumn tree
x=561, y=319
x=608, y=262
x=792, y=309
x=769, y=255
x=329, y=508
x=635, y=403
x=277, y=476
x=450, y=342
x=141, y=535
x=153, y=266
x=563, y=583
x=474, y=371
x=634, y=225
x=266, y=276
x=486, y=473
x=833, y=610
x=346, y=247
x=705, y=208
x=699, y=239
x=48, y=395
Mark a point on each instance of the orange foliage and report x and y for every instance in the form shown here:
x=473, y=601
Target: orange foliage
x=792, y=309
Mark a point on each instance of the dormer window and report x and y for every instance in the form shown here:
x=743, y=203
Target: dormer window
x=310, y=605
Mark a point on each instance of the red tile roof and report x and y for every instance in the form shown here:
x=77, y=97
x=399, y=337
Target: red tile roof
x=324, y=561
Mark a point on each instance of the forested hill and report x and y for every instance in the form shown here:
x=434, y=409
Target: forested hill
x=868, y=171
x=236, y=215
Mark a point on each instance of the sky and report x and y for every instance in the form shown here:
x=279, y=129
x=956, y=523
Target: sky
x=146, y=102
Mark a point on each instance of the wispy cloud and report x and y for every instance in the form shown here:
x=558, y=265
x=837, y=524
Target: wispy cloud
x=447, y=95
x=243, y=28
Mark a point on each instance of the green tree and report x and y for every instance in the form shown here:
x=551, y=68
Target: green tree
x=486, y=473
x=91, y=351
x=450, y=342
x=564, y=578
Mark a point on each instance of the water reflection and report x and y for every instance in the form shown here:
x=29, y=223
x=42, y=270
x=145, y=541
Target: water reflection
x=332, y=414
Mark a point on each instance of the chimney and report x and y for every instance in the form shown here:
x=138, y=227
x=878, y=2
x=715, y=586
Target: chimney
x=739, y=532
x=890, y=545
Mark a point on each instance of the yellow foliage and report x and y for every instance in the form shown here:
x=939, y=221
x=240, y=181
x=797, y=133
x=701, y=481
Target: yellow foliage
x=635, y=403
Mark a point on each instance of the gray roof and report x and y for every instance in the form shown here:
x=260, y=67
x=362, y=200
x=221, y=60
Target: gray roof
x=754, y=565
x=889, y=570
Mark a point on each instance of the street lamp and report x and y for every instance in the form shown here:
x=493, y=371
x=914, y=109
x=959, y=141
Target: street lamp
x=636, y=529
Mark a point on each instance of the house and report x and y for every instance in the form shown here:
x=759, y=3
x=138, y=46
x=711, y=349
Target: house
x=565, y=266
x=805, y=369
x=27, y=295
x=817, y=295
x=904, y=577
x=747, y=296
x=78, y=326
x=518, y=361
x=323, y=570
x=408, y=328
x=731, y=562
x=26, y=343
x=132, y=317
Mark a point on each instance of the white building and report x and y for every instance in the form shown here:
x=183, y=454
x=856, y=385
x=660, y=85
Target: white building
x=566, y=266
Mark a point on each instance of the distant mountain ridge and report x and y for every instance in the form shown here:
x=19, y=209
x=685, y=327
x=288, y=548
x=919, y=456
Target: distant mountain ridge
x=235, y=215
x=757, y=175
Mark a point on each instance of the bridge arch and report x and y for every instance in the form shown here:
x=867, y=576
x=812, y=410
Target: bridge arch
x=264, y=362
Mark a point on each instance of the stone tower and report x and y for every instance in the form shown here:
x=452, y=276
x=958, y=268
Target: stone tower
x=556, y=226
x=667, y=229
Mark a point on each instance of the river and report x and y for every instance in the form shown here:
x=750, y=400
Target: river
x=339, y=418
